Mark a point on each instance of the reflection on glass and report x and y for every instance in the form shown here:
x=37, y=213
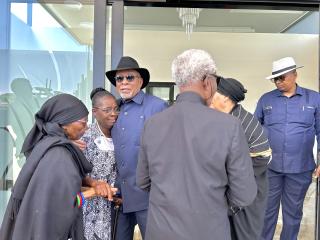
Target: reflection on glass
x=21, y=113
x=50, y=53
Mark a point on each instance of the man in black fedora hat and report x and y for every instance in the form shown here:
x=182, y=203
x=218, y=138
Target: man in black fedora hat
x=135, y=108
x=291, y=115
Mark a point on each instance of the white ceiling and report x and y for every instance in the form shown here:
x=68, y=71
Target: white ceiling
x=77, y=18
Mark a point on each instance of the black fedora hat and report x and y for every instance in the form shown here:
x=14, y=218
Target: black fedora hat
x=128, y=63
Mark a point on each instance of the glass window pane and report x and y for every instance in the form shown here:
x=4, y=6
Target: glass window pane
x=49, y=52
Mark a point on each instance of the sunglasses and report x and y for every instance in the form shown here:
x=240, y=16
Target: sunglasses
x=130, y=78
x=278, y=79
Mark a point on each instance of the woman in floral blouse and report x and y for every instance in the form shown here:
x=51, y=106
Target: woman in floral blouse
x=99, y=151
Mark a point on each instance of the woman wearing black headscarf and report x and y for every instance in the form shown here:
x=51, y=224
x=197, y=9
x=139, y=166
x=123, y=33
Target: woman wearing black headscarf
x=43, y=201
x=246, y=223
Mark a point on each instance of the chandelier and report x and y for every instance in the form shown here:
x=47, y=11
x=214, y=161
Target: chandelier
x=189, y=18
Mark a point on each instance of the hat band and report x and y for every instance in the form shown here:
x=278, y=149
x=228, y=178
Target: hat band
x=283, y=69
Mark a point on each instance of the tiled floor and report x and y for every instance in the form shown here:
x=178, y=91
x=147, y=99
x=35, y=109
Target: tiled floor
x=307, y=225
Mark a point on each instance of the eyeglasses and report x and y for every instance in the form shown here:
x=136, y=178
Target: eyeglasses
x=130, y=78
x=109, y=110
x=278, y=79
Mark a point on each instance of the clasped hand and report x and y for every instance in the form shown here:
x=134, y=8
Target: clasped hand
x=103, y=189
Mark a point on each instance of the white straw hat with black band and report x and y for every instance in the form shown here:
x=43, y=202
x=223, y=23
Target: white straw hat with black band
x=282, y=66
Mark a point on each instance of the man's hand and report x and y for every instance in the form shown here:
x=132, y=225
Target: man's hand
x=80, y=144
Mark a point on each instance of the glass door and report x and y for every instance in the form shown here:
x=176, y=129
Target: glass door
x=46, y=48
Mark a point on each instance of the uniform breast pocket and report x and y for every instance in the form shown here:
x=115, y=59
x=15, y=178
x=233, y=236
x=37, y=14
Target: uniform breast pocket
x=267, y=112
x=307, y=114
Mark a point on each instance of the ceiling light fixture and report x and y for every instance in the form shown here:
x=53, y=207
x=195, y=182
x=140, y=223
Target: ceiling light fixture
x=189, y=18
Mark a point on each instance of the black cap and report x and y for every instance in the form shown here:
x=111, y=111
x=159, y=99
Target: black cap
x=232, y=88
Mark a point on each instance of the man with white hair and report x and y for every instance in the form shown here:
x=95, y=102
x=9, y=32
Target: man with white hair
x=194, y=160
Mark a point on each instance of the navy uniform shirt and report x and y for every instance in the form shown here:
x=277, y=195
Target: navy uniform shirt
x=126, y=138
x=292, y=124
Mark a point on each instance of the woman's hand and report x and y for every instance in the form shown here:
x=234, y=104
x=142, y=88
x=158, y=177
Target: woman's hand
x=80, y=144
x=99, y=190
x=103, y=189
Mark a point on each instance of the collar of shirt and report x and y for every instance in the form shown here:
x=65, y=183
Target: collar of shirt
x=190, y=97
x=137, y=98
x=299, y=91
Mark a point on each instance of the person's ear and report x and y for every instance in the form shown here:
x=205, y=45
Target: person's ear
x=207, y=86
x=208, y=91
x=207, y=83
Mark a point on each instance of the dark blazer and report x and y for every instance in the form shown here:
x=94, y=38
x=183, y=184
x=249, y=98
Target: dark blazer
x=195, y=161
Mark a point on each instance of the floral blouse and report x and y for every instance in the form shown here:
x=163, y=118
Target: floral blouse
x=97, y=210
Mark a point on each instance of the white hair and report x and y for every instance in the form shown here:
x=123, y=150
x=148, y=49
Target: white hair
x=191, y=66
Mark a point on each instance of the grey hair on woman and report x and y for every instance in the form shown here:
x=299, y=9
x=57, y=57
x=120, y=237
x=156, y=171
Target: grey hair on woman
x=191, y=66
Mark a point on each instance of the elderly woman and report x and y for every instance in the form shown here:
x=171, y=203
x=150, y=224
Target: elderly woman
x=99, y=151
x=246, y=223
x=43, y=202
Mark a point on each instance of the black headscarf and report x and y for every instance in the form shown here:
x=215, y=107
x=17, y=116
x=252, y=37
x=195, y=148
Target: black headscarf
x=231, y=88
x=45, y=134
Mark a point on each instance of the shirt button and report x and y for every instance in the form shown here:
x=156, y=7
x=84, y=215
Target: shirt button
x=125, y=113
x=141, y=116
x=124, y=182
x=122, y=129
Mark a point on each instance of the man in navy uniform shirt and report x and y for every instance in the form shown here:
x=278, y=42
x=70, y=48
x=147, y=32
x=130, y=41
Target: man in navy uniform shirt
x=291, y=115
x=135, y=108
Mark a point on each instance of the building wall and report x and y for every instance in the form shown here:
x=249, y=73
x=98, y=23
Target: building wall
x=245, y=56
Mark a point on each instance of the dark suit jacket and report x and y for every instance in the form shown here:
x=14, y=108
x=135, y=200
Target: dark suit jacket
x=193, y=158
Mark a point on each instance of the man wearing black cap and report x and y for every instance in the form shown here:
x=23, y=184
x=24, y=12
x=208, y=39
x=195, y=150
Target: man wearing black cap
x=246, y=223
x=135, y=108
x=291, y=114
